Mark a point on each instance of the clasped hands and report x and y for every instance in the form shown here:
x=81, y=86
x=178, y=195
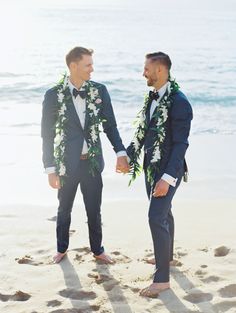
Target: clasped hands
x=161, y=188
x=122, y=165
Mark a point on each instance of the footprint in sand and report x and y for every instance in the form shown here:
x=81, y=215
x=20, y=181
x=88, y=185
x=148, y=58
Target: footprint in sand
x=200, y=273
x=120, y=258
x=173, y=263
x=224, y=306
x=77, y=294
x=179, y=252
x=108, y=281
x=27, y=259
x=150, y=255
x=100, y=278
x=72, y=232
x=54, y=303
x=204, y=249
x=228, y=291
x=84, y=250
x=148, y=258
x=221, y=251
x=71, y=311
x=95, y=307
x=17, y=296
x=132, y=288
x=52, y=219
x=42, y=251
x=79, y=258
x=211, y=279
x=198, y=297
x=91, y=308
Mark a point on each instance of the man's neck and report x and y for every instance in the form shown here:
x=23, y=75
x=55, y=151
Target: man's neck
x=76, y=81
x=160, y=84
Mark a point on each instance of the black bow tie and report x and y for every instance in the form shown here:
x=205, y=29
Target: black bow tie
x=154, y=95
x=77, y=92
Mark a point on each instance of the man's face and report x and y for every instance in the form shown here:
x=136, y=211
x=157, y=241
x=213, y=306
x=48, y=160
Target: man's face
x=83, y=68
x=150, y=72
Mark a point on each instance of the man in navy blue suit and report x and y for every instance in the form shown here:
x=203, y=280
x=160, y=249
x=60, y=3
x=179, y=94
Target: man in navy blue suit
x=73, y=111
x=163, y=132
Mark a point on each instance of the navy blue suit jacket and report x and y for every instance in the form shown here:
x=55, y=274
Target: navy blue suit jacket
x=176, y=140
x=75, y=134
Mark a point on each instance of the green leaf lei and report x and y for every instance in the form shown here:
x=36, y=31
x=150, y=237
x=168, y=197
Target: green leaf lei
x=160, y=116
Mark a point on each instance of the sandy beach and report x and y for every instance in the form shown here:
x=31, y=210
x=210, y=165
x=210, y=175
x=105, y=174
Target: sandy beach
x=197, y=35
x=204, y=208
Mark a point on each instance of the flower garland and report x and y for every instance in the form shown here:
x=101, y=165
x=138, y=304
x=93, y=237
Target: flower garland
x=93, y=106
x=93, y=101
x=60, y=137
x=160, y=116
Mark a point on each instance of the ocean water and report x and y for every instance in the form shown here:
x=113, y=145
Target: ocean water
x=198, y=35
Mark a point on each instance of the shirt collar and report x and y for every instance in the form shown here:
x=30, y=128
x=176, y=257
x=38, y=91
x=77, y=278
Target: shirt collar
x=162, y=90
x=71, y=86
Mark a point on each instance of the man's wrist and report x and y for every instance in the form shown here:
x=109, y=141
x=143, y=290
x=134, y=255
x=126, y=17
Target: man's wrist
x=169, y=179
x=121, y=153
x=50, y=170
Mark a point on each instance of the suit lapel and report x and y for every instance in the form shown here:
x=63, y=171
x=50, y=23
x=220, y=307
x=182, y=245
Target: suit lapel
x=153, y=114
x=148, y=112
x=71, y=109
x=86, y=114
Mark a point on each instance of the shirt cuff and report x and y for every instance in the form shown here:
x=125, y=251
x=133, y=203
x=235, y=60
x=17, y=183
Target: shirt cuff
x=50, y=170
x=121, y=153
x=169, y=179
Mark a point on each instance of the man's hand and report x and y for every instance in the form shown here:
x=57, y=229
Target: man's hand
x=122, y=165
x=54, y=181
x=161, y=188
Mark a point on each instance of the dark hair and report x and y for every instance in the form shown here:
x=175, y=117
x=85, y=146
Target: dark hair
x=161, y=57
x=76, y=54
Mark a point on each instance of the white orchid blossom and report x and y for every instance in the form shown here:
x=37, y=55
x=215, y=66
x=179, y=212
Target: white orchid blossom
x=62, y=170
x=156, y=154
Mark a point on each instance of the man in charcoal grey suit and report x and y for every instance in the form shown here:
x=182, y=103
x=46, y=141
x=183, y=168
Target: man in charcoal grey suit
x=72, y=112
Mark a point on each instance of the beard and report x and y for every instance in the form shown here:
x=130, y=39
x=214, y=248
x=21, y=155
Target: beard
x=150, y=81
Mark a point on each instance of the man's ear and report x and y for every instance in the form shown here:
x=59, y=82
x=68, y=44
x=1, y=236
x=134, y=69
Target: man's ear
x=158, y=68
x=72, y=66
x=161, y=68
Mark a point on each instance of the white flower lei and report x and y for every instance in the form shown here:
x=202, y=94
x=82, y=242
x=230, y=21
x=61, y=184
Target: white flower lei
x=160, y=118
x=93, y=105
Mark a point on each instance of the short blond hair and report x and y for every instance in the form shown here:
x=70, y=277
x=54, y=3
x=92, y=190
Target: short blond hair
x=76, y=54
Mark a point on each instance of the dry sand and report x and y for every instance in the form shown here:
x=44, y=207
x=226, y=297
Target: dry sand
x=205, y=245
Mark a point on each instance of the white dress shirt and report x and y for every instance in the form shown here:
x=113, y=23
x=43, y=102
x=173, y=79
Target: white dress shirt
x=80, y=107
x=166, y=177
